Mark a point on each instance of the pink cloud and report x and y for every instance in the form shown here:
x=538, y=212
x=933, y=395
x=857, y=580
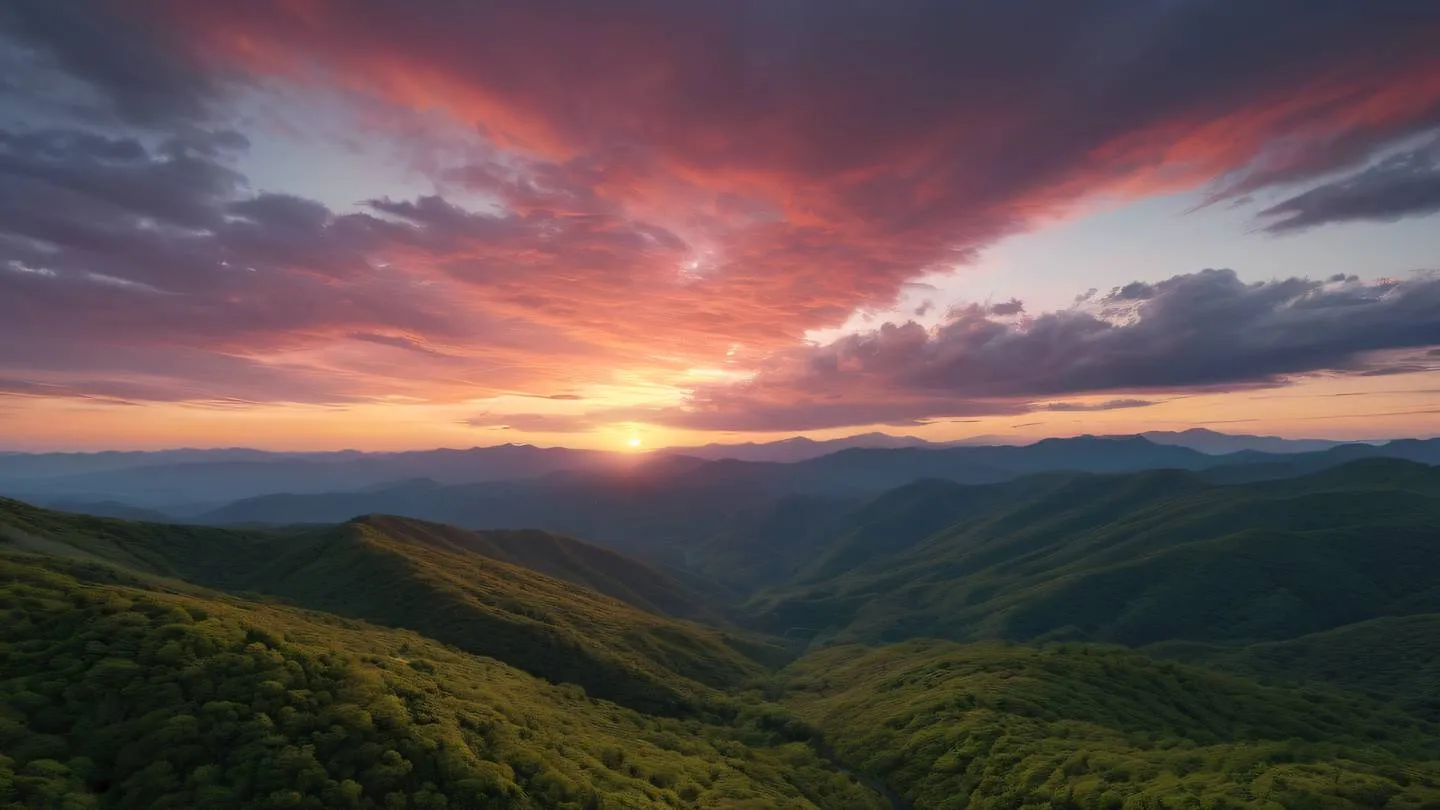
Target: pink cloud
x=671, y=180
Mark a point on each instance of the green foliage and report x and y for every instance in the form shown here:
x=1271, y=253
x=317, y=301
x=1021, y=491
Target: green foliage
x=391, y=663
x=117, y=696
x=768, y=544
x=557, y=556
x=1395, y=658
x=431, y=579
x=1072, y=726
x=1134, y=559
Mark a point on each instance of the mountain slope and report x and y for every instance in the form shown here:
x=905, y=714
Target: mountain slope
x=1394, y=658
x=560, y=557
x=653, y=513
x=665, y=508
x=545, y=626
x=897, y=520
x=999, y=726
x=1143, y=558
x=115, y=694
x=768, y=543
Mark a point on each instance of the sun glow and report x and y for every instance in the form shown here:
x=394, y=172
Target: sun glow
x=633, y=442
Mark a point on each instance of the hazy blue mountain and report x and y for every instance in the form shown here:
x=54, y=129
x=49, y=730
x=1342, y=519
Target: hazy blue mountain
x=1216, y=443
x=183, y=477
x=665, y=507
x=798, y=448
x=190, y=483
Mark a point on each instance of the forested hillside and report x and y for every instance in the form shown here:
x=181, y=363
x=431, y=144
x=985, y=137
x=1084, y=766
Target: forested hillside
x=366, y=569
x=1394, y=658
x=1281, y=653
x=1135, y=559
x=1073, y=726
x=118, y=694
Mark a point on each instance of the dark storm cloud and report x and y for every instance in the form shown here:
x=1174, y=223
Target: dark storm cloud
x=142, y=74
x=1191, y=330
x=1194, y=331
x=1107, y=405
x=1012, y=307
x=1400, y=186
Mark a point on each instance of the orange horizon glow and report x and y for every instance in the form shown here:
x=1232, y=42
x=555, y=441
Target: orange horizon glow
x=1314, y=409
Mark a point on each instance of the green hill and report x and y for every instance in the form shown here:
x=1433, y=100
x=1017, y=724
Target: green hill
x=901, y=518
x=1005, y=726
x=560, y=557
x=405, y=574
x=1395, y=658
x=767, y=544
x=1144, y=558
x=117, y=694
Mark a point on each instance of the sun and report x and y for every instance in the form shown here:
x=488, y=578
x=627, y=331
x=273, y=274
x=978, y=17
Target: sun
x=633, y=441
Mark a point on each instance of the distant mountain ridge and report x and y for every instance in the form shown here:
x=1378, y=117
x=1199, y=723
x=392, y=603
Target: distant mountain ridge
x=799, y=448
x=167, y=478
x=1216, y=443
x=665, y=506
x=1134, y=559
x=1206, y=441
x=190, y=484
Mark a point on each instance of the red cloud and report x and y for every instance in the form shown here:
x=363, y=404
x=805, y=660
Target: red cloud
x=884, y=139
x=679, y=178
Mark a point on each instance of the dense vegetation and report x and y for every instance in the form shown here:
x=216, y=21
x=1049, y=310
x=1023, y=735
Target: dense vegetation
x=1134, y=559
x=117, y=695
x=1395, y=658
x=561, y=557
x=1073, y=726
x=381, y=571
x=1284, y=652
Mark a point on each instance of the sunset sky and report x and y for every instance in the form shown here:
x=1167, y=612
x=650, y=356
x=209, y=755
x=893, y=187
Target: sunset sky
x=316, y=224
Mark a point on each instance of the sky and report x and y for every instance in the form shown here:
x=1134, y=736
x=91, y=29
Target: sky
x=320, y=224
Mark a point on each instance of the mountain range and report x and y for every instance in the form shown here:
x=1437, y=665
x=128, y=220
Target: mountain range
x=184, y=482
x=1081, y=623
x=661, y=506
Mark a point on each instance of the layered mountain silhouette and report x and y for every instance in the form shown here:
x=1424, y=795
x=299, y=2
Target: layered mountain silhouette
x=189, y=482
